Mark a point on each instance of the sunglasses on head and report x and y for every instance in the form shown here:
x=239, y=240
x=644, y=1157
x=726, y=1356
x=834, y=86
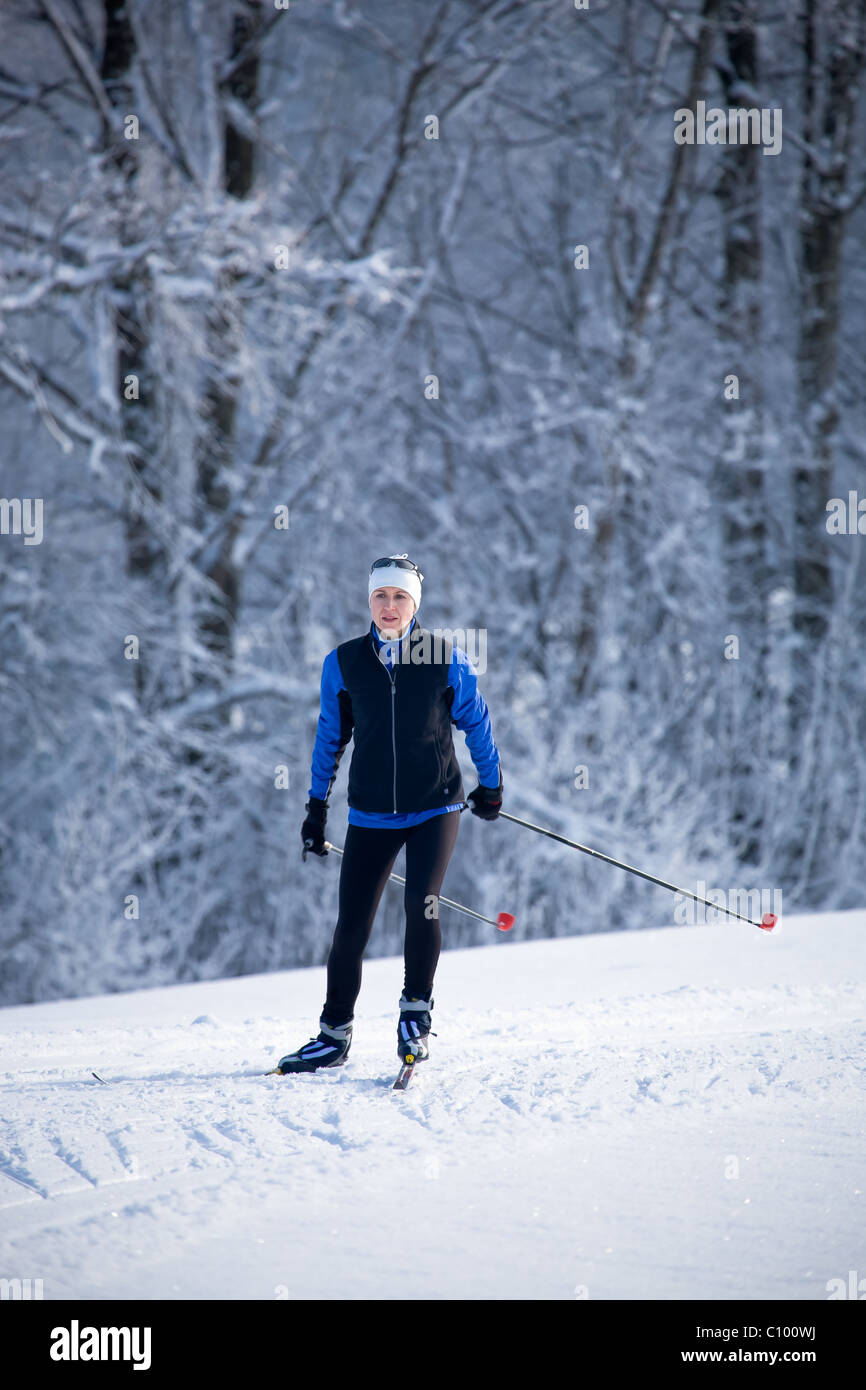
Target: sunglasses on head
x=401, y=562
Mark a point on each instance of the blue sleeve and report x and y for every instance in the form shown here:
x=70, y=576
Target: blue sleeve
x=471, y=715
x=333, y=730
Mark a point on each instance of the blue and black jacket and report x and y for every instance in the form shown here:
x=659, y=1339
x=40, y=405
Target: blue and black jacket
x=399, y=711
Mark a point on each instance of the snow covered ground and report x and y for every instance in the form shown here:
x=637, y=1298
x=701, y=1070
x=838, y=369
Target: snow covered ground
x=673, y=1113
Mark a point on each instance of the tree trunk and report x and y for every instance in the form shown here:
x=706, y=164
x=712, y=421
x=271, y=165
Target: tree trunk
x=130, y=295
x=830, y=91
x=739, y=472
x=216, y=452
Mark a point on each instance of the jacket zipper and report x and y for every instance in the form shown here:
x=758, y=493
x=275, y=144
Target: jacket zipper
x=393, y=679
x=392, y=676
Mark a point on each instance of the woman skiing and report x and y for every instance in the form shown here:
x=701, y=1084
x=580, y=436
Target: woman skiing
x=396, y=690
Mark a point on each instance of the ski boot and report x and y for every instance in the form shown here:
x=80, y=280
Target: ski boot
x=413, y=1030
x=329, y=1049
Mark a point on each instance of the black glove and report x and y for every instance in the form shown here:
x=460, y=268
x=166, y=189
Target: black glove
x=486, y=801
x=313, y=828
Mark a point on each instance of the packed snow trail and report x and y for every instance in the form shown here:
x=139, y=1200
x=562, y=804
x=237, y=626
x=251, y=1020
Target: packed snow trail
x=673, y=1113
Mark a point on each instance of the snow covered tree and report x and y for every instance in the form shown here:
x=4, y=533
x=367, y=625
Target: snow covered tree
x=283, y=290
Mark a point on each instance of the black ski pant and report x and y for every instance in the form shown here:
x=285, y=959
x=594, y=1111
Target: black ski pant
x=368, y=859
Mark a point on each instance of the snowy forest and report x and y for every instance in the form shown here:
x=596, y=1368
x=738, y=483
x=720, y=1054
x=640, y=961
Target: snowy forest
x=285, y=287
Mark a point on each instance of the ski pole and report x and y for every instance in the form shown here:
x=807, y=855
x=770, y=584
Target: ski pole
x=505, y=920
x=767, y=922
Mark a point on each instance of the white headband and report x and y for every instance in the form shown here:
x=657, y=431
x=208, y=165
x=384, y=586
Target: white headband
x=392, y=576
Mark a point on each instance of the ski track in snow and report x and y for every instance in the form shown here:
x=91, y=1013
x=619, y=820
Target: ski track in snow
x=697, y=1134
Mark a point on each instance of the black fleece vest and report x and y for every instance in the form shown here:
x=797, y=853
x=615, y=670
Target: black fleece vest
x=403, y=759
